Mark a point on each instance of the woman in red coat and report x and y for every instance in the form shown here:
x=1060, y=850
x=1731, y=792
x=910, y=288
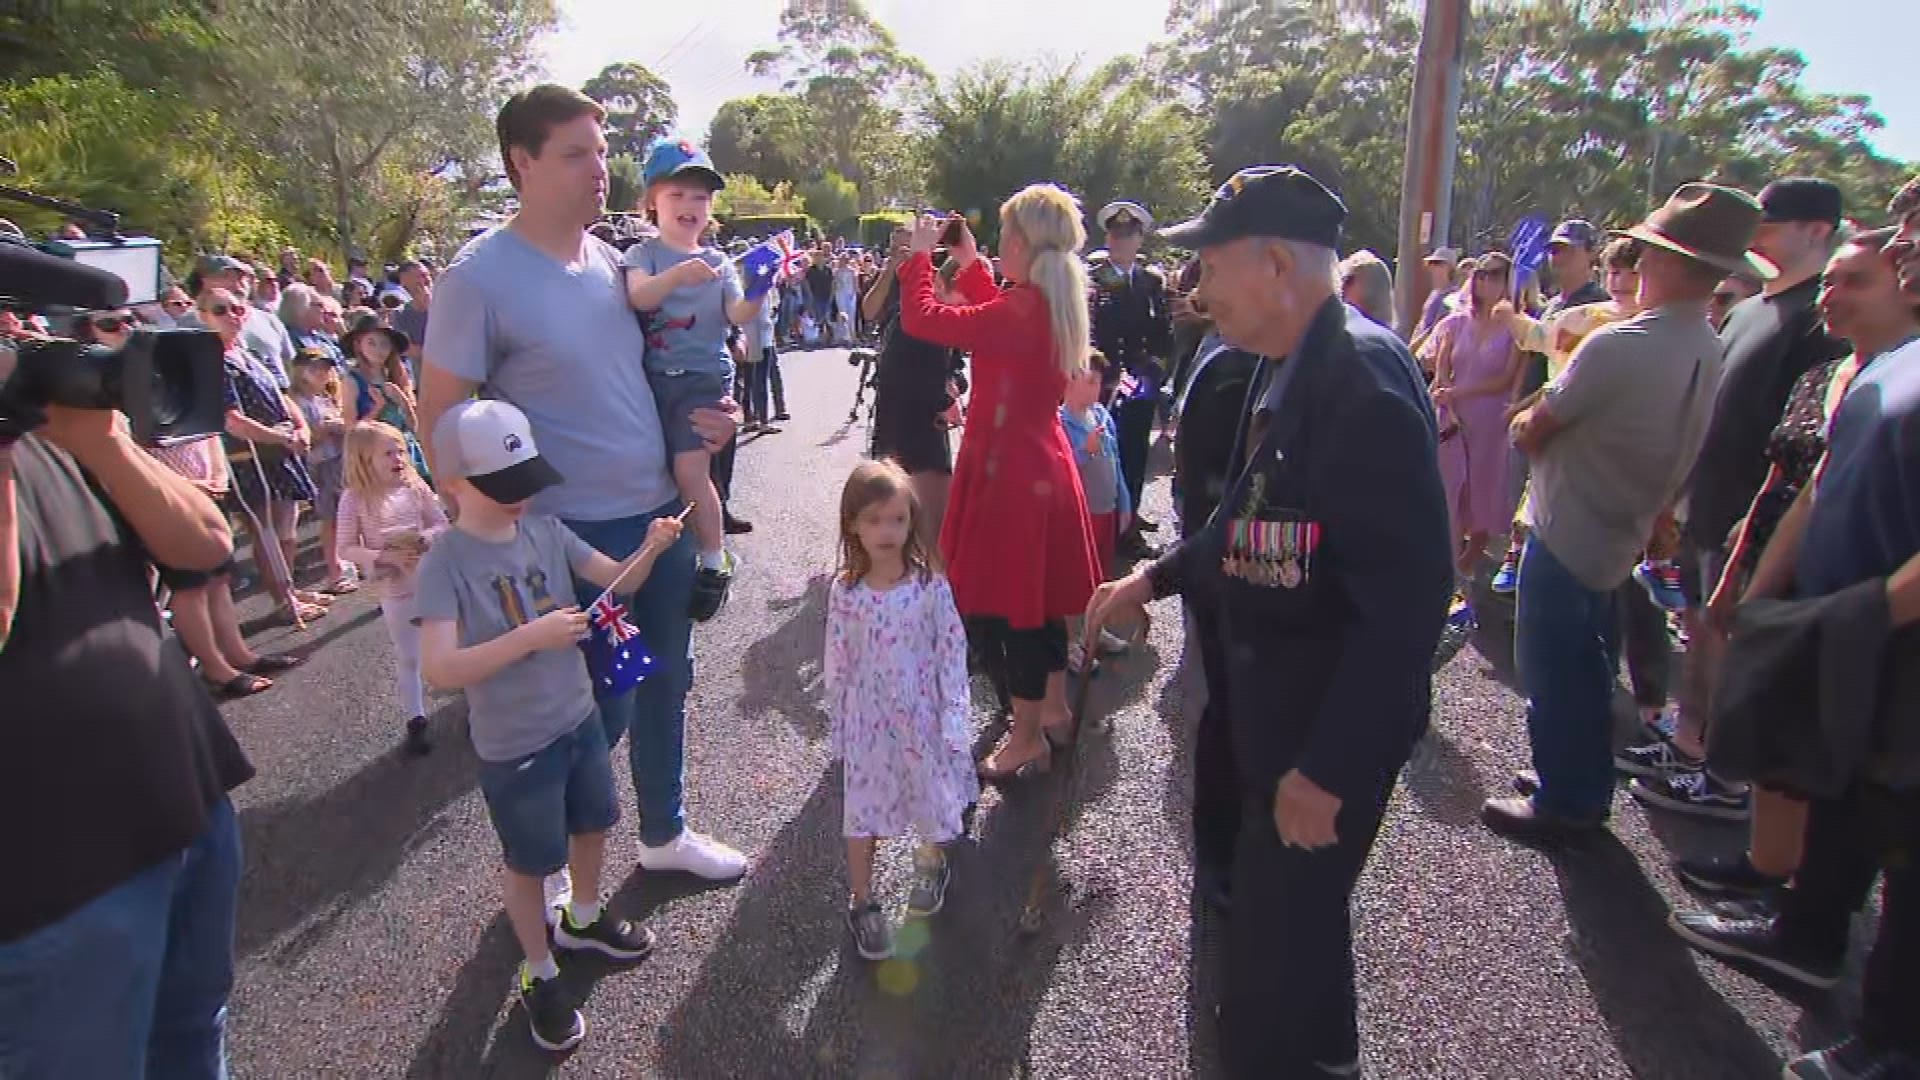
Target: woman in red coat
x=1017, y=540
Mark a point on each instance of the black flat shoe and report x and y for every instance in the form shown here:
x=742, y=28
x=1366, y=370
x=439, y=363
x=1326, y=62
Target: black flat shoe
x=734, y=526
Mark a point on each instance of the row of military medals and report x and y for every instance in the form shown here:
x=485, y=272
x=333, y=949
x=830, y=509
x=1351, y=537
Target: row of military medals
x=1269, y=553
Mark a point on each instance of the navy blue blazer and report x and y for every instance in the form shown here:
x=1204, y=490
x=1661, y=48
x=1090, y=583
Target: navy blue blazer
x=1330, y=561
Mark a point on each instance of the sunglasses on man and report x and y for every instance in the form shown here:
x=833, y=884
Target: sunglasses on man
x=221, y=310
x=112, y=324
x=176, y=305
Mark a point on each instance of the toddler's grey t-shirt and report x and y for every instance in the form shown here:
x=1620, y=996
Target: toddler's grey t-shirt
x=689, y=331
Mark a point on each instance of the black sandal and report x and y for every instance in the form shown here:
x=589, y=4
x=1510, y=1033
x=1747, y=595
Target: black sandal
x=272, y=663
x=245, y=684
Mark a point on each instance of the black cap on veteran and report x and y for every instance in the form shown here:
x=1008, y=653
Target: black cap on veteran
x=1800, y=198
x=1277, y=201
x=490, y=445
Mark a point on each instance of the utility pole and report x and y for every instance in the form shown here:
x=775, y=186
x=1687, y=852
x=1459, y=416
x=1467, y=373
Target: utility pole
x=1426, y=181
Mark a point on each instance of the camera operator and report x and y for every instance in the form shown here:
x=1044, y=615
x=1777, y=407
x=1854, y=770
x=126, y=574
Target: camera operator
x=116, y=938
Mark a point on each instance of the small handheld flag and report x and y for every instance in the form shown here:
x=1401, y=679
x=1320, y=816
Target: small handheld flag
x=616, y=657
x=768, y=262
x=1528, y=244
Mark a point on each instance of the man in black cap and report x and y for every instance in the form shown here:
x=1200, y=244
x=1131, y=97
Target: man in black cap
x=1769, y=341
x=1329, y=565
x=1133, y=326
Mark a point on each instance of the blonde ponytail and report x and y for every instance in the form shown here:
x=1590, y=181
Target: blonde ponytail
x=1062, y=279
x=1048, y=219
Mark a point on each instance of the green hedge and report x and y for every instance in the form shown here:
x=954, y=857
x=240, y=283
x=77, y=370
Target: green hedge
x=761, y=226
x=873, y=230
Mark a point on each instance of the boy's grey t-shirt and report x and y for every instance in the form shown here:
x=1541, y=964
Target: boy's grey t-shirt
x=489, y=588
x=559, y=341
x=689, y=331
x=1633, y=404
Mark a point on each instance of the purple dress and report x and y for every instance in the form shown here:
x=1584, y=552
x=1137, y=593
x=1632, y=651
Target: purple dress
x=897, y=695
x=1473, y=462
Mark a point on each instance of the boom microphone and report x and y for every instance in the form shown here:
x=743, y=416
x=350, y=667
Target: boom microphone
x=33, y=279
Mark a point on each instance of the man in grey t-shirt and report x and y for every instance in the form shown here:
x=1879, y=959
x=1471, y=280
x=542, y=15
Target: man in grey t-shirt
x=411, y=319
x=1611, y=442
x=535, y=313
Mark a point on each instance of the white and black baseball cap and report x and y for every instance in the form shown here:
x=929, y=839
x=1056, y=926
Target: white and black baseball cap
x=489, y=444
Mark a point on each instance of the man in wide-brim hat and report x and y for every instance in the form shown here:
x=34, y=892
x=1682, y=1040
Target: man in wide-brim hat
x=1611, y=441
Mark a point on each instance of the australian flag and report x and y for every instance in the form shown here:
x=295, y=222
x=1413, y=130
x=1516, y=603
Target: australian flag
x=616, y=657
x=769, y=262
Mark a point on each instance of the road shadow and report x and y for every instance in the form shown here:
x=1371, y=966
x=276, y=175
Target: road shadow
x=784, y=994
x=1443, y=783
x=319, y=631
x=1642, y=976
x=469, y=1037
x=781, y=671
x=310, y=861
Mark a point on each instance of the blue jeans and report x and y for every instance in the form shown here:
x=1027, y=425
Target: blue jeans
x=1567, y=648
x=652, y=715
x=133, y=984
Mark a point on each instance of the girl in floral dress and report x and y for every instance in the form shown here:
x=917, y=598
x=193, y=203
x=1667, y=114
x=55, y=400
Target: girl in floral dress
x=896, y=683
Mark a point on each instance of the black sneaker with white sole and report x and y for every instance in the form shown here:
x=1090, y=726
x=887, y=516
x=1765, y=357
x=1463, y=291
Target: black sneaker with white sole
x=1758, y=940
x=1724, y=876
x=1651, y=759
x=552, y=1015
x=606, y=935
x=710, y=590
x=1695, y=792
x=872, y=937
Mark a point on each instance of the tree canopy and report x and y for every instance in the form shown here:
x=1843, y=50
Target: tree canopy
x=253, y=122
x=639, y=106
x=1597, y=108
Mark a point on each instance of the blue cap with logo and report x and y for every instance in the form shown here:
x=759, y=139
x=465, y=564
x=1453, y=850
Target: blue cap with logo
x=673, y=159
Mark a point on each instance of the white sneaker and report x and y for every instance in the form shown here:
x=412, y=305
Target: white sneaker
x=701, y=856
x=558, y=889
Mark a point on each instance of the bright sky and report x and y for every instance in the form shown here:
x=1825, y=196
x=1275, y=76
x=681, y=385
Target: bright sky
x=700, y=47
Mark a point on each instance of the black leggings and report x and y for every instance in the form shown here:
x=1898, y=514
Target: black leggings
x=1020, y=659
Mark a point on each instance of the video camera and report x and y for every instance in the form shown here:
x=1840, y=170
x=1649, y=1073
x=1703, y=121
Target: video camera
x=170, y=383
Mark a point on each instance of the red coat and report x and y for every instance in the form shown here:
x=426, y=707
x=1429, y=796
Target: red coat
x=1017, y=540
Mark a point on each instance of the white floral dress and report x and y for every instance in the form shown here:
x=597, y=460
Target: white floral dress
x=897, y=693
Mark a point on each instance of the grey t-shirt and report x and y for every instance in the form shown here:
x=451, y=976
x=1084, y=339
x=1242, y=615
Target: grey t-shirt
x=489, y=588
x=1634, y=402
x=561, y=342
x=412, y=321
x=689, y=331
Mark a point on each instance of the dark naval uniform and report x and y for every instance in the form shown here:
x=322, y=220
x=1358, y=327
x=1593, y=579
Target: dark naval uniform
x=1329, y=565
x=1132, y=322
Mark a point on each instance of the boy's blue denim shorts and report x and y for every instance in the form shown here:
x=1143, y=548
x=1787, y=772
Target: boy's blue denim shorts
x=562, y=790
x=678, y=394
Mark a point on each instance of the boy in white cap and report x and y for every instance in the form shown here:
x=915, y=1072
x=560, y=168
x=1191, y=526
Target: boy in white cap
x=496, y=620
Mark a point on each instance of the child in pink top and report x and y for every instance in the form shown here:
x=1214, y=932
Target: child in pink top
x=388, y=519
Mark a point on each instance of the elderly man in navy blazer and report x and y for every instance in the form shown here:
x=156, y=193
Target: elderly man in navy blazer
x=1329, y=562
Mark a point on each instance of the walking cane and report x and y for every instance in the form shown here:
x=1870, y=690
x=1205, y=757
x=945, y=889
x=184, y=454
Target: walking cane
x=1064, y=794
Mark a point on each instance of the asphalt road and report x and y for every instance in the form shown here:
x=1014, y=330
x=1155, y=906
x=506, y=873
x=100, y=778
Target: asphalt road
x=372, y=941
